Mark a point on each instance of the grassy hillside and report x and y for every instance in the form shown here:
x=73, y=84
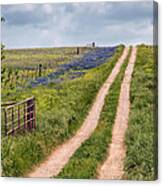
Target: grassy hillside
x=61, y=109
x=141, y=136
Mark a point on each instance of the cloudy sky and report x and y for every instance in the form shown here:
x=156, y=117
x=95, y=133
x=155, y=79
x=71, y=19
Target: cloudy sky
x=68, y=24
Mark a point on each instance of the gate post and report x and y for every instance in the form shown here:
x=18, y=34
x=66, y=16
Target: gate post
x=13, y=126
x=34, y=113
x=30, y=113
x=5, y=115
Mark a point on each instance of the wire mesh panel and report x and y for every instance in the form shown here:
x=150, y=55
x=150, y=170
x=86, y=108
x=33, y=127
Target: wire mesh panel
x=20, y=117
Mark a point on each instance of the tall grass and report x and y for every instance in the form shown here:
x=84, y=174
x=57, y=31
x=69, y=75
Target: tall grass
x=84, y=163
x=141, y=139
x=61, y=110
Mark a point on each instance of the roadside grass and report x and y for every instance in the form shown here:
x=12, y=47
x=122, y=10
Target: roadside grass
x=141, y=136
x=61, y=110
x=84, y=163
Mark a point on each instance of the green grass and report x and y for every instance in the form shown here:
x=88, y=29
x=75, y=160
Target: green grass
x=61, y=110
x=141, y=139
x=15, y=72
x=45, y=56
x=84, y=163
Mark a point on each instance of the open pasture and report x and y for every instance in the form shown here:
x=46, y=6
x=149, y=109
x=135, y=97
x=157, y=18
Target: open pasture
x=23, y=65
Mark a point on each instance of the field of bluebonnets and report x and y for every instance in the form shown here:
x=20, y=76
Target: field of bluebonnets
x=21, y=66
x=64, y=84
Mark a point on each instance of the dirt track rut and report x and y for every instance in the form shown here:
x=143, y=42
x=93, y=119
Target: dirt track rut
x=112, y=167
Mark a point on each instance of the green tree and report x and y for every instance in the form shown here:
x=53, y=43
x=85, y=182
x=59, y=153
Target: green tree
x=2, y=46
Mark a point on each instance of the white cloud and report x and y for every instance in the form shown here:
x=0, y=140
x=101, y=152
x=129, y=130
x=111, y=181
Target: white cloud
x=47, y=8
x=129, y=33
x=20, y=8
x=77, y=23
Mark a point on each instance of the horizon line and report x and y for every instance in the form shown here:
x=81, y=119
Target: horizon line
x=71, y=46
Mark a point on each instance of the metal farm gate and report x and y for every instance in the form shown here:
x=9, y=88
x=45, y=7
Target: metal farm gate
x=19, y=117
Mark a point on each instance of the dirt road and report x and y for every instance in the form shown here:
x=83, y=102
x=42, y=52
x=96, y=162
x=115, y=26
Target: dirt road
x=61, y=155
x=112, y=168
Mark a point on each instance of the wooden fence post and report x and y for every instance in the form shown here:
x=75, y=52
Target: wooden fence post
x=5, y=115
x=18, y=116
x=40, y=70
x=34, y=113
x=25, y=126
x=13, y=127
x=78, y=51
x=30, y=113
